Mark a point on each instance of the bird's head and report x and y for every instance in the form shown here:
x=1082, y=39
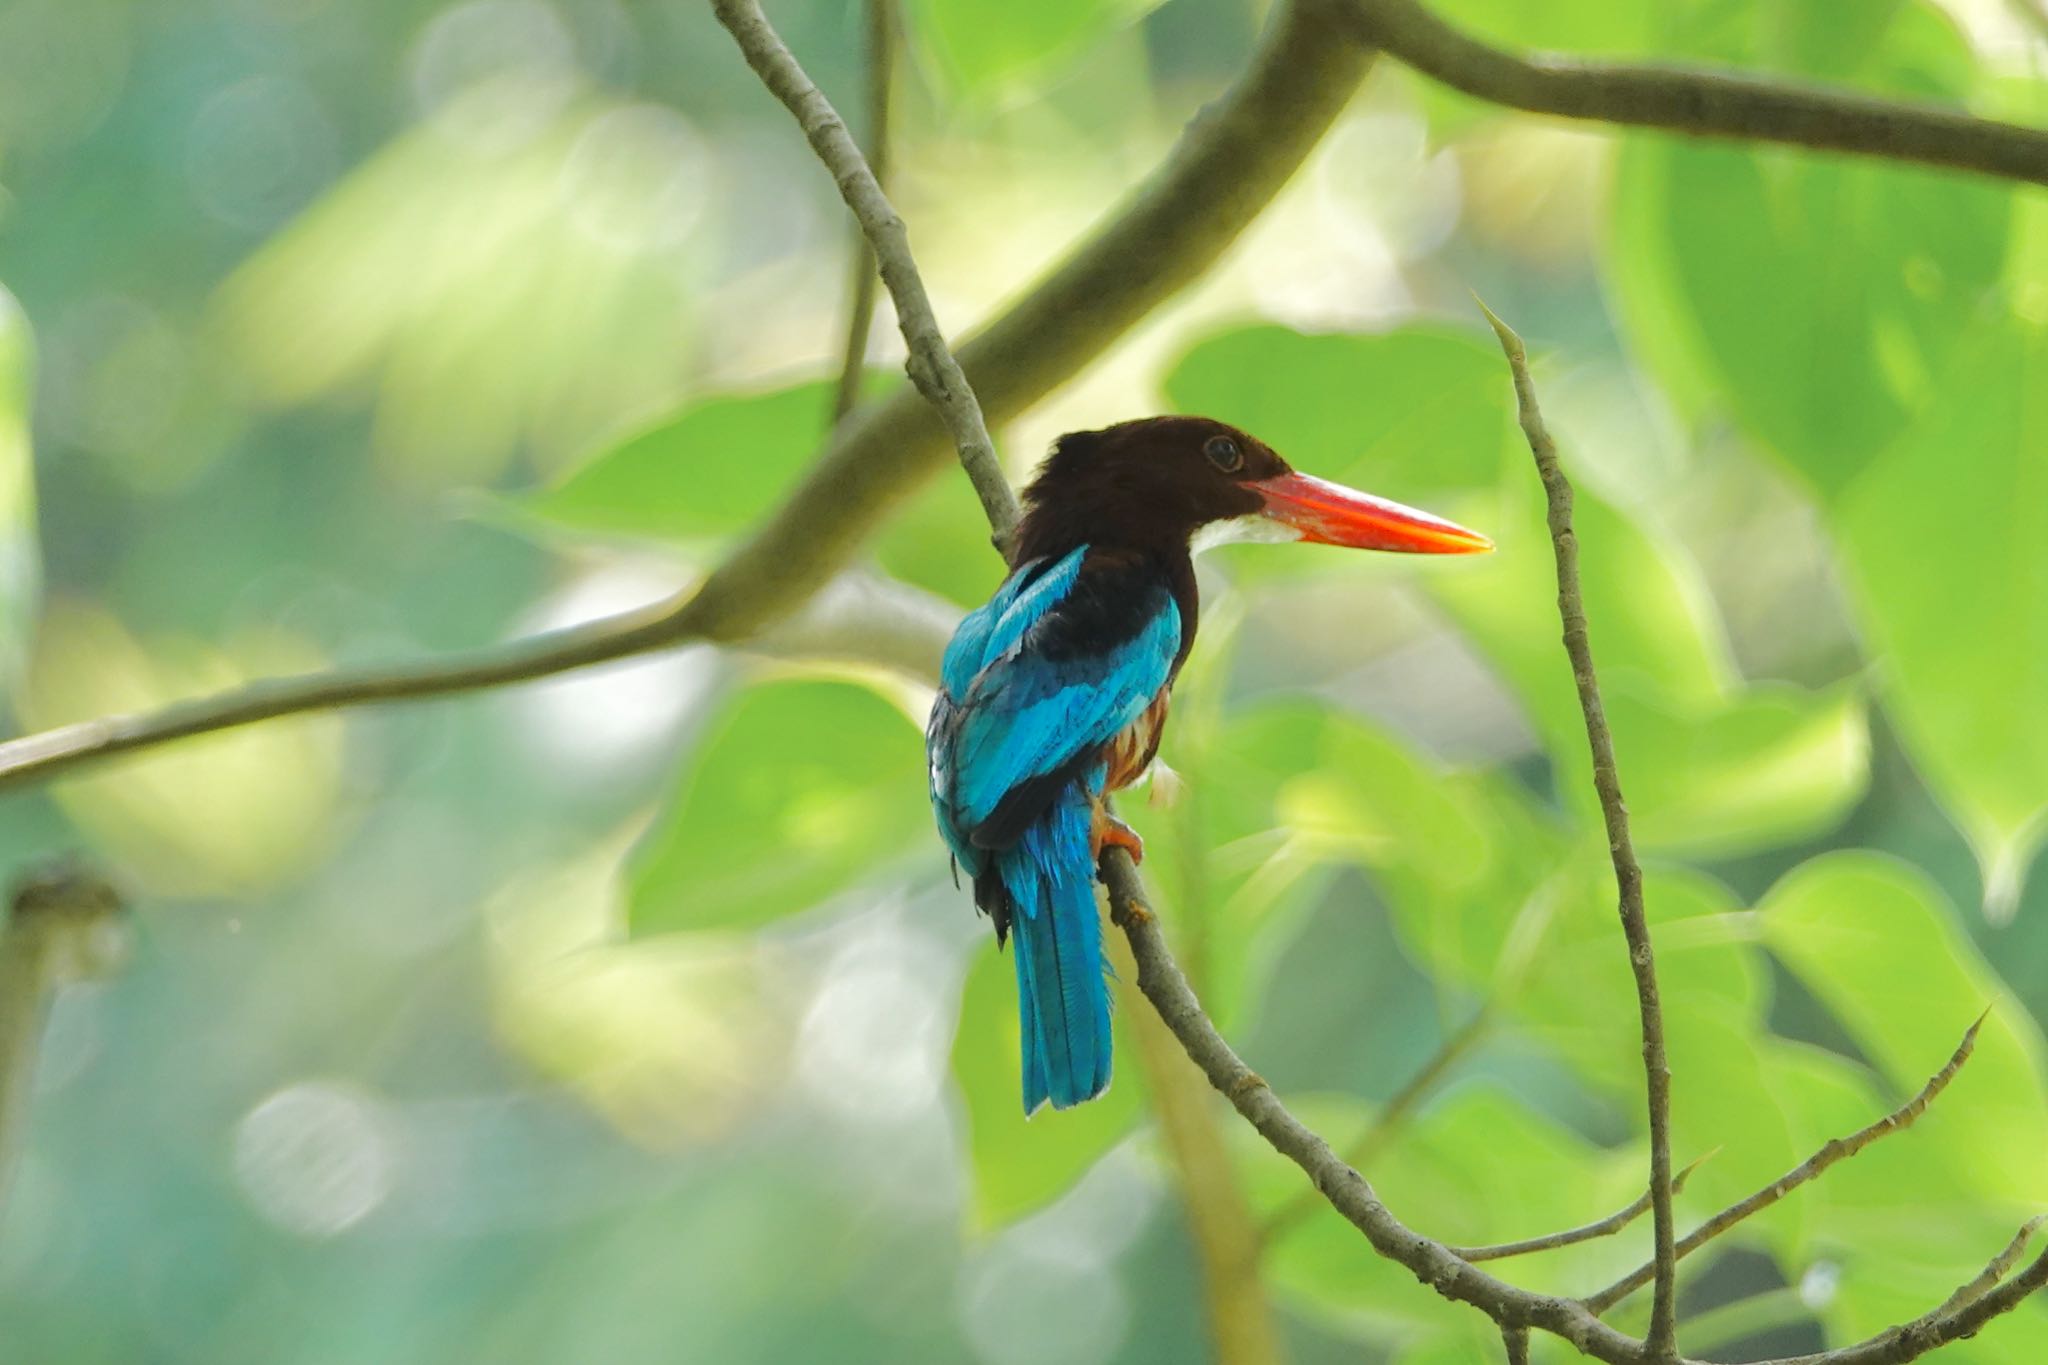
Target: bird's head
x=1176, y=481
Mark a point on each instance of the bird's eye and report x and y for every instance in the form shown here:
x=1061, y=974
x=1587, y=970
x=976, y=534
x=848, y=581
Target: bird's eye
x=1224, y=453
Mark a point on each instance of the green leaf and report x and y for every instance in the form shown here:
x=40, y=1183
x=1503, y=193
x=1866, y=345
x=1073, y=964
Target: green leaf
x=1812, y=298
x=1876, y=943
x=715, y=467
x=1020, y=1165
x=20, y=566
x=1948, y=546
x=992, y=49
x=1418, y=410
x=798, y=789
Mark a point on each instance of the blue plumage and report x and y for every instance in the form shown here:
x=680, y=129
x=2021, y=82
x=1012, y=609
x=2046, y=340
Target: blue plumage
x=1034, y=688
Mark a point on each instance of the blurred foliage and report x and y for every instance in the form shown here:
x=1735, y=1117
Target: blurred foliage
x=562, y=1026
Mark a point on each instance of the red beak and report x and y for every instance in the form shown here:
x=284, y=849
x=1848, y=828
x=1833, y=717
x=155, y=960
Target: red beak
x=1328, y=513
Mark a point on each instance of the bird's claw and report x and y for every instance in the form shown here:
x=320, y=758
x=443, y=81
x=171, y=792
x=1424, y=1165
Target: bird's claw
x=1106, y=831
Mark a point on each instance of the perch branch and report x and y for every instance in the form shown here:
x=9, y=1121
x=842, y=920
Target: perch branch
x=1228, y=165
x=932, y=367
x=1628, y=876
x=860, y=309
x=1365, y=1151
x=1835, y=1150
x=1605, y=1227
x=1699, y=103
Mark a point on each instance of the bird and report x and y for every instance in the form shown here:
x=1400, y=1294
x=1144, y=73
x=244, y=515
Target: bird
x=1054, y=694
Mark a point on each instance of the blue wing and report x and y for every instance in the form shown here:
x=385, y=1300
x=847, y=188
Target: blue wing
x=1064, y=656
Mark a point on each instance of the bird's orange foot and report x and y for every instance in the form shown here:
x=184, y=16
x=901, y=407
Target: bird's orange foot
x=1106, y=831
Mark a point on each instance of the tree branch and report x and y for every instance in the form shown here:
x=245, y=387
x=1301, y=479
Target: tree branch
x=1835, y=1150
x=1628, y=876
x=932, y=367
x=56, y=931
x=1228, y=165
x=1516, y=1340
x=1605, y=1227
x=1699, y=103
x=860, y=308
x=1388, y=1121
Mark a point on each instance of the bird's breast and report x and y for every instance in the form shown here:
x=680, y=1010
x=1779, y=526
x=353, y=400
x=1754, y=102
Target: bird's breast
x=1127, y=755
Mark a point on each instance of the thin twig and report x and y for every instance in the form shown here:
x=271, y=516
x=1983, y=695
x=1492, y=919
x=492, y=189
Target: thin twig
x=1364, y=1153
x=1997, y=1269
x=1226, y=169
x=57, y=919
x=1700, y=103
x=1628, y=876
x=933, y=369
x=860, y=312
x=1516, y=1340
x=1605, y=1227
x=1911, y=1340
x=1835, y=1150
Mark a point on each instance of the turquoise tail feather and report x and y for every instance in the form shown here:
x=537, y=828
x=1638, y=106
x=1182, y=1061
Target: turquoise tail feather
x=1062, y=988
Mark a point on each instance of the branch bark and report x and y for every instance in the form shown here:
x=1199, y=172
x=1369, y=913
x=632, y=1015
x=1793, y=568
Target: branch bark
x=1227, y=167
x=1699, y=103
x=55, y=931
x=1836, y=1149
x=860, y=307
x=1661, y=1344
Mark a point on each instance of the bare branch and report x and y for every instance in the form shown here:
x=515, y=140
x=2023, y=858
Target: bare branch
x=1161, y=981
x=1228, y=166
x=1605, y=1227
x=1963, y=1315
x=1516, y=1340
x=57, y=929
x=1700, y=103
x=1363, y=1153
x=1831, y=1152
x=1628, y=876
x=932, y=367
x=860, y=309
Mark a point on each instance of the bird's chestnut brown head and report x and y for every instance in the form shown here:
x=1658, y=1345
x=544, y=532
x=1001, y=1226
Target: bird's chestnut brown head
x=1160, y=483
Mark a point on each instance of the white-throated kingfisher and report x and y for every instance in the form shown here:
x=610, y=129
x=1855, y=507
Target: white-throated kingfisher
x=1054, y=693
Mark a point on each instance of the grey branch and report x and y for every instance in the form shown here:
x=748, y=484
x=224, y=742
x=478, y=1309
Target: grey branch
x=1628, y=876
x=1516, y=1340
x=1699, y=103
x=1837, y=1149
x=1227, y=167
x=1605, y=1227
x=932, y=367
x=63, y=924
x=860, y=308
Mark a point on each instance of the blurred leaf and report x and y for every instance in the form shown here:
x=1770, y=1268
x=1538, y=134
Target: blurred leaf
x=674, y=1040
x=1408, y=412
x=508, y=276
x=1948, y=542
x=20, y=567
x=989, y=49
x=713, y=468
x=1814, y=298
x=1875, y=942
x=1022, y=1164
x=226, y=814
x=797, y=789
x=1774, y=766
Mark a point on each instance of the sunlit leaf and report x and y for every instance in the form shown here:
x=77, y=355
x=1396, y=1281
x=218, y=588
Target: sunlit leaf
x=1021, y=1164
x=798, y=788
x=989, y=49
x=1881, y=948
x=20, y=569
x=1815, y=299
x=713, y=468
x=1948, y=543
x=226, y=814
x=1409, y=412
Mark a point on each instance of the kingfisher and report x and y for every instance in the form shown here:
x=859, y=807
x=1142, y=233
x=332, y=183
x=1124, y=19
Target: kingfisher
x=1054, y=694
